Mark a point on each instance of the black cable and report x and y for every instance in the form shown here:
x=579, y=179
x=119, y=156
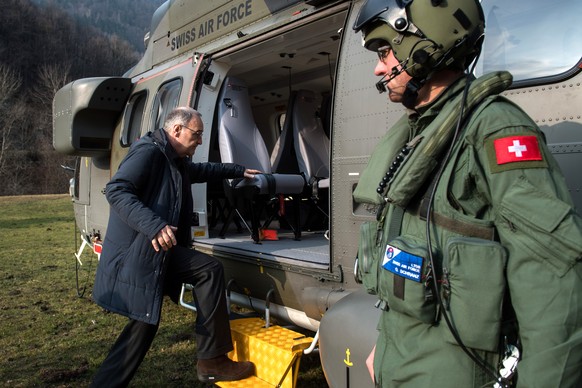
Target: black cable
x=483, y=364
x=248, y=295
x=330, y=69
x=80, y=292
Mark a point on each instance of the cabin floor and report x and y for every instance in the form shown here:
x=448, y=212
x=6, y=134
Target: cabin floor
x=312, y=250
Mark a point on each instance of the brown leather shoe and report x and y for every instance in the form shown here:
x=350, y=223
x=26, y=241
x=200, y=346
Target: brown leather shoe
x=223, y=368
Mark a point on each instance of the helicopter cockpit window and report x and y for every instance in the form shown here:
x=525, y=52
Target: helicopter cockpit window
x=531, y=39
x=166, y=99
x=132, y=124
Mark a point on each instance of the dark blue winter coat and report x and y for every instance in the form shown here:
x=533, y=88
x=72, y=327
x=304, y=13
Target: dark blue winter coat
x=145, y=195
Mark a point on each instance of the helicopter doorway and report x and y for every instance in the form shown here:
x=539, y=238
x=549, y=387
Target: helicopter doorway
x=295, y=67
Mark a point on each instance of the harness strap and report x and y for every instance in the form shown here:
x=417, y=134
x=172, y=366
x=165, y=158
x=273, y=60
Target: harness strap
x=463, y=228
x=393, y=232
x=456, y=226
x=313, y=182
x=271, y=184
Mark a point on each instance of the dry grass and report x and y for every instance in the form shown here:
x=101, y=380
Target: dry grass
x=49, y=337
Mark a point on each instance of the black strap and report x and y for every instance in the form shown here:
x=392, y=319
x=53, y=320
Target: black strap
x=271, y=184
x=393, y=232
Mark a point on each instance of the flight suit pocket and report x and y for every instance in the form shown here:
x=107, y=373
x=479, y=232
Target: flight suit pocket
x=542, y=225
x=368, y=255
x=402, y=278
x=473, y=289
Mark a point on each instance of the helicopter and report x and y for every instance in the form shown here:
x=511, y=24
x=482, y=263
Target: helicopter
x=294, y=79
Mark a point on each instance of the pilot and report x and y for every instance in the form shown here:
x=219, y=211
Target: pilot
x=475, y=253
x=147, y=252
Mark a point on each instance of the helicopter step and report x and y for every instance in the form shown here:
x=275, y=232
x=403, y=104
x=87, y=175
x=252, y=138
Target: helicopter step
x=276, y=352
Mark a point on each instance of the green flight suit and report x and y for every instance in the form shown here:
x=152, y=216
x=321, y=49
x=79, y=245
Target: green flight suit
x=503, y=234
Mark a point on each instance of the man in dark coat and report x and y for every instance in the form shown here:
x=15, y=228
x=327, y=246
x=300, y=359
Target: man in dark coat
x=147, y=253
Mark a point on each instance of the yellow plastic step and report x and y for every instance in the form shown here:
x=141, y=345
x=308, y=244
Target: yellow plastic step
x=251, y=382
x=275, y=351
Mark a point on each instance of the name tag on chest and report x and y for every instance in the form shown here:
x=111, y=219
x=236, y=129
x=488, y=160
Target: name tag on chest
x=402, y=263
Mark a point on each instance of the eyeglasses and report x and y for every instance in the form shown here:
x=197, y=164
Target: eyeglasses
x=196, y=133
x=383, y=52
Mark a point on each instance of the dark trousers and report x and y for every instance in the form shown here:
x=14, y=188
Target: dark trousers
x=213, y=338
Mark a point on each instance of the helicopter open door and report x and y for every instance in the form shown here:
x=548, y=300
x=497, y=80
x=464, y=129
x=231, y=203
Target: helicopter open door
x=209, y=76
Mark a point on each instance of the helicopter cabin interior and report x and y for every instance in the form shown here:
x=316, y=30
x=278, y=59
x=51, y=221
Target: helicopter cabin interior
x=273, y=113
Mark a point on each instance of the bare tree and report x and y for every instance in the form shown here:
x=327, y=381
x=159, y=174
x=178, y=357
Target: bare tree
x=10, y=82
x=58, y=49
x=51, y=77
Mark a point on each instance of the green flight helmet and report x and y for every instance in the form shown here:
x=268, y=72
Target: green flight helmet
x=425, y=35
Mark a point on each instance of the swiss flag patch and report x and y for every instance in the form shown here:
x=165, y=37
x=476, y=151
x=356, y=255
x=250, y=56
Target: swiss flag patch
x=517, y=149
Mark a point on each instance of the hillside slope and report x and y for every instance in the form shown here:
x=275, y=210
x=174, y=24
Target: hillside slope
x=129, y=19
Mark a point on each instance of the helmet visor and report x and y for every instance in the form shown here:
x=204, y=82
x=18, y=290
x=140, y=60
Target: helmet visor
x=390, y=13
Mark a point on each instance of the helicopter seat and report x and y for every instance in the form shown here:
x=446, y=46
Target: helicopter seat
x=304, y=148
x=312, y=146
x=241, y=142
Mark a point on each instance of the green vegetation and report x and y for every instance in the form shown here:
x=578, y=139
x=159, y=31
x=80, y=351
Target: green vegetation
x=50, y=337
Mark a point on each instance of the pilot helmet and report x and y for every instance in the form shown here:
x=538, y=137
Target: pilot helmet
x=425, y=35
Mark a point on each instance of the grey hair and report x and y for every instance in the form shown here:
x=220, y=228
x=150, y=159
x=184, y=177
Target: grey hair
x=181, y=116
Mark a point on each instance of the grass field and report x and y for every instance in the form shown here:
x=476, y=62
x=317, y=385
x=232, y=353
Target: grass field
x=49, y=337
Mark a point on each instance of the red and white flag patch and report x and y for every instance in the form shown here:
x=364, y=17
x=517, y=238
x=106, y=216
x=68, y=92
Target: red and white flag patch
x=517, y=149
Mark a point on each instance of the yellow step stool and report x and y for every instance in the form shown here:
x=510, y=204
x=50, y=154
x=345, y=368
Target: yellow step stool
x=275, y=351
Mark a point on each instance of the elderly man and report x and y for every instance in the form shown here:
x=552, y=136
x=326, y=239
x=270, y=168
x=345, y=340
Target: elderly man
x=147, y=252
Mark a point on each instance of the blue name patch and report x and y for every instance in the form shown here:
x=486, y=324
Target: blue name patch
x=402, y=263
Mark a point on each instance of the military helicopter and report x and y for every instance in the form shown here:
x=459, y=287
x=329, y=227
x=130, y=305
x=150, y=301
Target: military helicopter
x=285, y=86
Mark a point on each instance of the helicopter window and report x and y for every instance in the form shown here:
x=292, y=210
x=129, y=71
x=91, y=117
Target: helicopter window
x=132, y=124
x=166, y=99
x=531, y=38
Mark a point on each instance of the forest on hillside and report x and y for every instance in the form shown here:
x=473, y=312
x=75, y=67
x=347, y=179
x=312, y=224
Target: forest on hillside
x=43, y=48
x=129, y=19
